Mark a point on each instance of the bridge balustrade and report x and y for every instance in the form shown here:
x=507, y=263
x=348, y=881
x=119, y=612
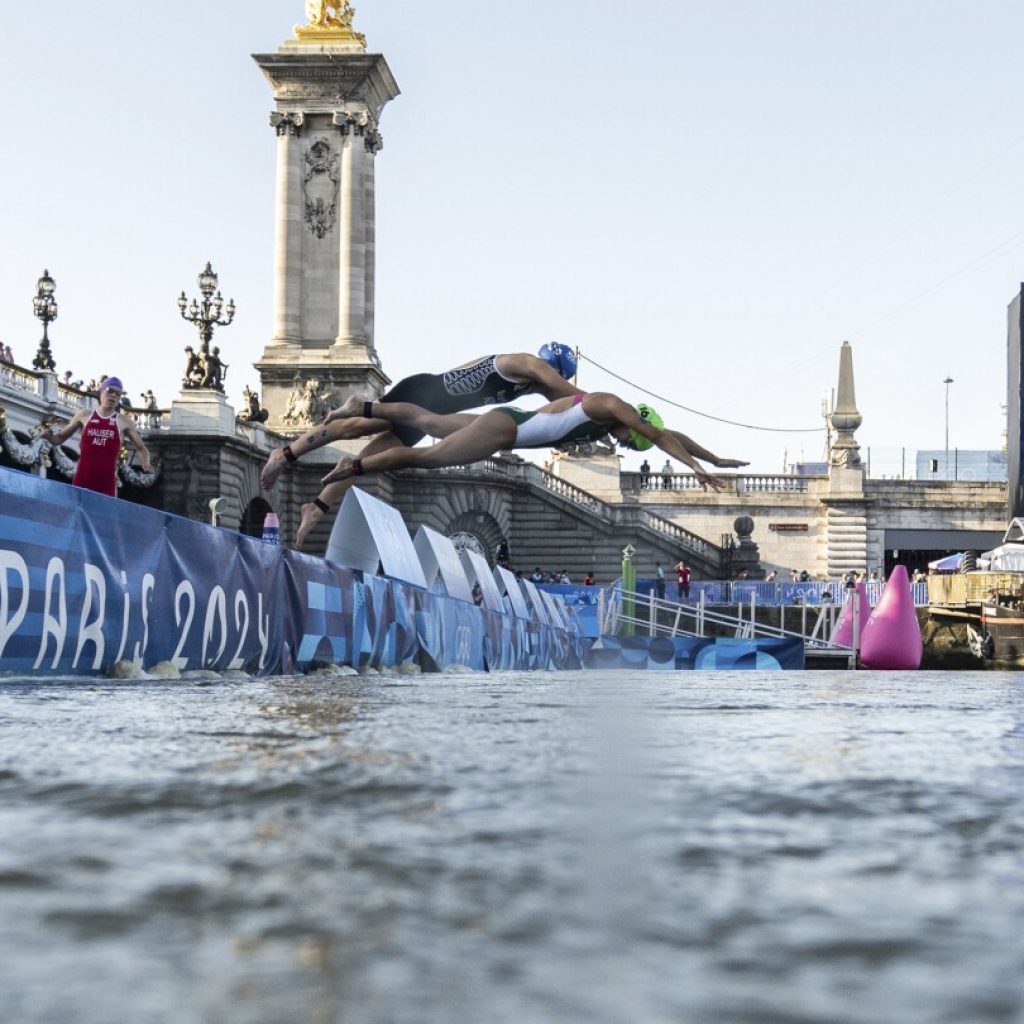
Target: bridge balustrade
x=742, y=483
x=21, y=379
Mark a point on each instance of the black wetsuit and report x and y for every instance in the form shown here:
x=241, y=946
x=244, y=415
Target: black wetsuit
x=459, y=390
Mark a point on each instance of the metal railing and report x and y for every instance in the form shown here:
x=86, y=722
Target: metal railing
x=619, y=609
x=778, y=592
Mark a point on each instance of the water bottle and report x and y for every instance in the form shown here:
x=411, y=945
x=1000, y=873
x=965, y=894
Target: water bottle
x=271, y=529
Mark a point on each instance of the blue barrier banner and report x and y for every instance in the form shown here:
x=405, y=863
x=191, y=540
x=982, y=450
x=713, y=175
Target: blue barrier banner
x=87, y=580
x=693, y=652
x=583, y=600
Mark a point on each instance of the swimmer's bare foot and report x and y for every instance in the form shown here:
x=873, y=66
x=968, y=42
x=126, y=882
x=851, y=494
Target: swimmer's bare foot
x=352, y=406
x=342, y=471
x=730, y=463
x=272, y=470
x=309, y=516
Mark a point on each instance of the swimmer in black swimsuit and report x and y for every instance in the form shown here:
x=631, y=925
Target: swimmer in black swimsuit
x=490, y=380
x=467, y=438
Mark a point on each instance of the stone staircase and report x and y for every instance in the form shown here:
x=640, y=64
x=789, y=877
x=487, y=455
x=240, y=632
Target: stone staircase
x=548, y=522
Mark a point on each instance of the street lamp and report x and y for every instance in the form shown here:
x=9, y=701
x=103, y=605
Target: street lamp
x=44, y=305
x=947, y=382
x=205, y=369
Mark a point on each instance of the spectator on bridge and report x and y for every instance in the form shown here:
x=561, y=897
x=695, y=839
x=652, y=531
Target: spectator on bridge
x=564, y=578
x=793, y=575
x=659, y=581
x=503, y=556
x=683, y=579
x=771, y=577
x=645, y=474
x=537, y=576
x=588, y=580
x=489, y=380
x=804, y=576
x=666, y=475
x=467, y=438
x=8, y=355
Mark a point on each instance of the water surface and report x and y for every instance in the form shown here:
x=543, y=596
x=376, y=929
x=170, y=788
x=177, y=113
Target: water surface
x=577, y=847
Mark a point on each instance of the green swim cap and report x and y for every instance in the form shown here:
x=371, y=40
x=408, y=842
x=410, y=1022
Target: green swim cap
x=637, y=441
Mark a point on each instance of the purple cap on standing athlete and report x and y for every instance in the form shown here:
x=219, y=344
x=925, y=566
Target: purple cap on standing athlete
x=112, y=382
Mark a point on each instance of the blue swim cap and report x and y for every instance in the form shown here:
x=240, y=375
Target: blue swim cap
x=638, y=442
x=559, y=357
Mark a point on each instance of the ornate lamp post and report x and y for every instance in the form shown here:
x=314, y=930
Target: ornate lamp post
x=44, y=305
x=205, y=369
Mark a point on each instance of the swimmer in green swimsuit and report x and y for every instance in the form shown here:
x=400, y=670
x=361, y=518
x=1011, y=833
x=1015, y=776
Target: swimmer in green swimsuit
x=468, y=438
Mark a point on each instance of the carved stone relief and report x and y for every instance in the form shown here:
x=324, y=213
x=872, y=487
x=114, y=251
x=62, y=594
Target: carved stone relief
x=320, y=187
x=309, y=403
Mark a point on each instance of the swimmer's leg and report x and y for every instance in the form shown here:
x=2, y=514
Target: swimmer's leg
x=320, y=435
x=479, y=438
x=311, y=513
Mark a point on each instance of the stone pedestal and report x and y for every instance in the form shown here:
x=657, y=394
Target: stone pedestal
x=596, y=474
x=328, y=95
x=202, y=412
x=846, y=522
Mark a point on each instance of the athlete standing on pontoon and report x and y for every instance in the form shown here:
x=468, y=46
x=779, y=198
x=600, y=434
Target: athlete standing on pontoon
x=491, y=380
x=468, y=438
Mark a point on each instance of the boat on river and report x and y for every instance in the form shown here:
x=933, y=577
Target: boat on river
x=987, y=597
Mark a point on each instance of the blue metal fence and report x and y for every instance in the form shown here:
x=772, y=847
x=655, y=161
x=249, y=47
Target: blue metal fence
x=814, y=592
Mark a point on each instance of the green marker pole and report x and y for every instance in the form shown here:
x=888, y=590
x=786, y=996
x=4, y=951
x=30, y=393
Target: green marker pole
x=628, y=589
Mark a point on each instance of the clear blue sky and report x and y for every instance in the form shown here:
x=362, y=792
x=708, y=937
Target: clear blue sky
x=707, y=198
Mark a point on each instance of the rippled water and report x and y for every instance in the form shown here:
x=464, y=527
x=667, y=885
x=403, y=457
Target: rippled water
x=577, y=847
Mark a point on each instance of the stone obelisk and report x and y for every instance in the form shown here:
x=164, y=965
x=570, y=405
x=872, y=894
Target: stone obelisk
x=329, y=94
x=846, y=505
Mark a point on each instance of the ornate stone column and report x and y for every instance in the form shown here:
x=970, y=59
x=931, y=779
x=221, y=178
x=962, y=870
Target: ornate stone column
x=354, y=230
x=288, y=224
x=329, y=94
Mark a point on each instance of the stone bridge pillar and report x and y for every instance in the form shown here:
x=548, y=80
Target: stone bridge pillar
x=329, y=95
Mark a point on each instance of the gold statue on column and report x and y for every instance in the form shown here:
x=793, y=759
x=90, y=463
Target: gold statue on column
x=330, y=21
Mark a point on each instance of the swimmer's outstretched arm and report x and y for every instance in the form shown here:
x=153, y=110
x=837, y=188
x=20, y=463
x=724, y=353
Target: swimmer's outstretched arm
x=608, y=408
x=700, y=452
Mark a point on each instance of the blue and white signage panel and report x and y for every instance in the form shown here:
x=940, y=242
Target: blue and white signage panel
x=479, y=571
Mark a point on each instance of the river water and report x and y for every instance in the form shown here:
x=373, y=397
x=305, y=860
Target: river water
x=577, y=847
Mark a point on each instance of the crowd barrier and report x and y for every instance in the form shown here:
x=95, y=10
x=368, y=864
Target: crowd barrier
x=87, y=580
x=696, y=653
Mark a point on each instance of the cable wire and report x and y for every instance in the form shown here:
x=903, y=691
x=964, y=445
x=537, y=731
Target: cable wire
x=697, y=412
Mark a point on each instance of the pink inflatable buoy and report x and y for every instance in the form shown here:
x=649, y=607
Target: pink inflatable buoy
x=843, y=632
x=892, y=636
